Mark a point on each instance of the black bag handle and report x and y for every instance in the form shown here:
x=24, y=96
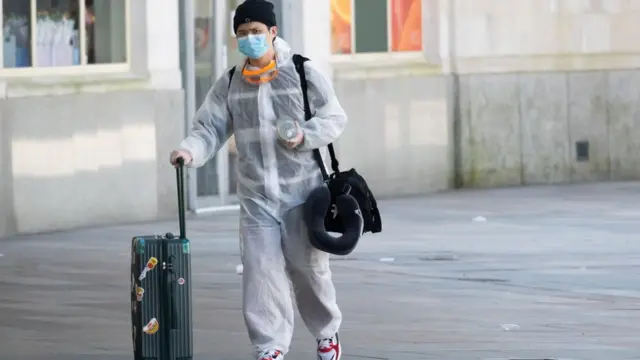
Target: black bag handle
x=230, y=74
x=299, y=61
x=181, y=207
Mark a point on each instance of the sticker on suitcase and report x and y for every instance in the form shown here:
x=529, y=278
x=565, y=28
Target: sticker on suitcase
x=186, y=248
x=151, y=264
x=140, y=246
x=152, y=327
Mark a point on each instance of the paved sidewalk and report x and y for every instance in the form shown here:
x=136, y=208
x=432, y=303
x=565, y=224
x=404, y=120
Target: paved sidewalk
x=553, y=272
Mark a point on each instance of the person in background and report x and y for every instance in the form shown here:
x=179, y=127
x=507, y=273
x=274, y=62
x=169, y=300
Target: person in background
x=275, y=177
x=89, y=20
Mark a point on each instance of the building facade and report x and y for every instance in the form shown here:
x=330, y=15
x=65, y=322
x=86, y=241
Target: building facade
x=88, y=113
x=440, y=94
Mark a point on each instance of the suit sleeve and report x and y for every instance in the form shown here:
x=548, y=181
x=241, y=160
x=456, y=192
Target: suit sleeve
x=212, y=124
x=329, y=118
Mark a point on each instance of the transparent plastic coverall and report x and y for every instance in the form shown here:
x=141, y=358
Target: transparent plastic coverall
x=273, y=183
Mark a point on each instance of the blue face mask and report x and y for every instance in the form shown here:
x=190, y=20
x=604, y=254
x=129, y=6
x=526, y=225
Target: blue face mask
x=253, y=46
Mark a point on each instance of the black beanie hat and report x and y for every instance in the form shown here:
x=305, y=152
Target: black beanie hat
x=254, y=10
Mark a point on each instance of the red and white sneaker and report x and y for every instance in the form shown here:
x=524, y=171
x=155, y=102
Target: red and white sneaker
x=330, y=348
x=271, y=355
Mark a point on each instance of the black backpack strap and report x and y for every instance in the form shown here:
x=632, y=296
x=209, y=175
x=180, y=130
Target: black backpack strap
x=298, y=61
x=231, y=72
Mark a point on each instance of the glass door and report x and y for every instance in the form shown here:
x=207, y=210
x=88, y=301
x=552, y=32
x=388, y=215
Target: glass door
x=213, y=185
x=207, y=177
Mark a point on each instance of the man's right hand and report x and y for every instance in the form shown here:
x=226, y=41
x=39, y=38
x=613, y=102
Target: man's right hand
x=181, y=154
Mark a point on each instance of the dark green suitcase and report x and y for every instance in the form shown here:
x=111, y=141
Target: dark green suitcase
x=161, y=311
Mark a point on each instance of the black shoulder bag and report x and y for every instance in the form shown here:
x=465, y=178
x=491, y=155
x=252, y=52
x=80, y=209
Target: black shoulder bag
x=339, y=183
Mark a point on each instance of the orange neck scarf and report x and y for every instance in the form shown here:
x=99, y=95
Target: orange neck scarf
x=260, y=76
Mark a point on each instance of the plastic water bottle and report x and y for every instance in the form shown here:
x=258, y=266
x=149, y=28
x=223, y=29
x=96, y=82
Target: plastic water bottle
x=287, y=129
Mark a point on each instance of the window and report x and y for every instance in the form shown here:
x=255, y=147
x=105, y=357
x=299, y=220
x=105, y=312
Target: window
x=46, y=33
x=367, y=26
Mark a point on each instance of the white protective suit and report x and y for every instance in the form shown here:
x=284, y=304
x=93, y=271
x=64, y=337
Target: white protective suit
x=273, y=183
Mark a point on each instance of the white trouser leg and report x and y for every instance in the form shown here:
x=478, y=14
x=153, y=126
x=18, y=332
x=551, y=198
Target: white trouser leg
x=267, y=303
x=311, y=277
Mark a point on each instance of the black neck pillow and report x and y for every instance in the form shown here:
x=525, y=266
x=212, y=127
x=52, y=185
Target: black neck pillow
x=315, y=210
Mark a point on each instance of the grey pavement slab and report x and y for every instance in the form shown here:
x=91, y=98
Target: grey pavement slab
x=562, y=263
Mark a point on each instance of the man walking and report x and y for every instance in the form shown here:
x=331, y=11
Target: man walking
x=275, y=176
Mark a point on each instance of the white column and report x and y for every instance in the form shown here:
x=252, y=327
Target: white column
x=163, y=43
x=309, y=29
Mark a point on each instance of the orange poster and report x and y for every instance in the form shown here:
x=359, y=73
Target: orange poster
x=406, y=25
x=341, y=22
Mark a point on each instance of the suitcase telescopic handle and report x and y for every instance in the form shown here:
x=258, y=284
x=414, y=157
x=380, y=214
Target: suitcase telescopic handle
x=181, y=207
